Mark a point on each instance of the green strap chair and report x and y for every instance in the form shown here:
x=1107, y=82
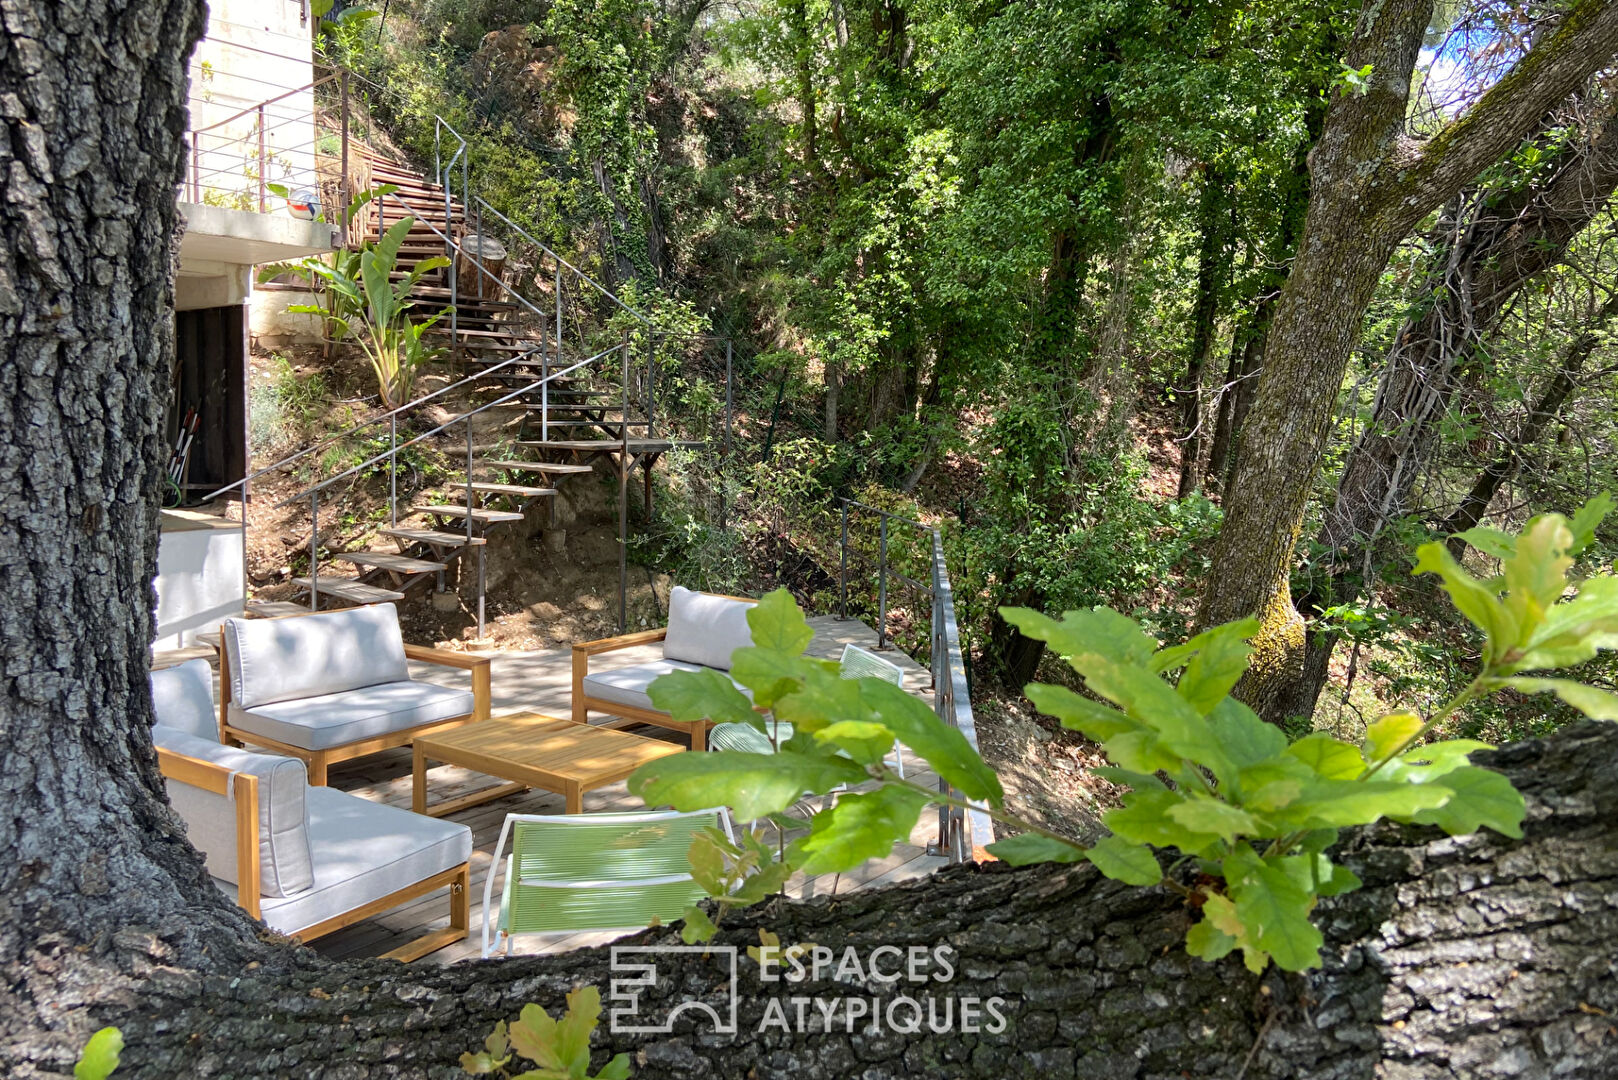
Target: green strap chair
x=857, y=663
x=593, y=872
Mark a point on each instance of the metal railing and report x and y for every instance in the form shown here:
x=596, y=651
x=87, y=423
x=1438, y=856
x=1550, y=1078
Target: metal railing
x=962, y=833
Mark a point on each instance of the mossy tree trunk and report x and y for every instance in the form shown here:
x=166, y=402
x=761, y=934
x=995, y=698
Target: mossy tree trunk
x=1370, y=184
x=1486, y=250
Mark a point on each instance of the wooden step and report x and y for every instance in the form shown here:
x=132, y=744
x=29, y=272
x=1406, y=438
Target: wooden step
x=551, y=467
x=518, y=490
x=433, y=538
x=349, y=589
x=384, y=560
x=274, y=609
x=487, y=517
x=636, y=446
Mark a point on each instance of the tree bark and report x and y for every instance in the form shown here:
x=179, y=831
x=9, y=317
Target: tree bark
x=1213, y=278
x=1459, y=958
x=1487, y=250
x=1555, y=395
x=1370, y=184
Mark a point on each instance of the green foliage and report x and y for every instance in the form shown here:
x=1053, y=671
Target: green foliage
x=559, y=1049
x=1254, y=813
x=99, y=1058
x=381, y=309
x=1210, y=779
x=285, y=404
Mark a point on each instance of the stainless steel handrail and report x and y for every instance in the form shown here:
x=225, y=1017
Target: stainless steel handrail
x=962, y=834
x=306, y=492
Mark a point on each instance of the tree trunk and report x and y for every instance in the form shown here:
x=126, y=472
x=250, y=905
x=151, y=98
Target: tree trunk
x=1487, y=250
x=1213, y=278
x=94, y=866
x=1370, y=184
x=1469, y=959
x=1540, y=415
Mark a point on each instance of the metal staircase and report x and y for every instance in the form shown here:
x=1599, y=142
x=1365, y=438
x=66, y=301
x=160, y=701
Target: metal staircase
x=545, y=359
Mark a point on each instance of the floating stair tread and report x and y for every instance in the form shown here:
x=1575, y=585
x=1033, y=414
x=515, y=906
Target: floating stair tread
x=348, y=589
x=554, y=468
x=430, y=536
x=520, y=490
x=274, y=609
x=488, y=517
x=635, y=445
x=384, y=560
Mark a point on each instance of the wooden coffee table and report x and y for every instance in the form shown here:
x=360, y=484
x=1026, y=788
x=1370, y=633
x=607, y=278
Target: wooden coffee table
x=531, y=750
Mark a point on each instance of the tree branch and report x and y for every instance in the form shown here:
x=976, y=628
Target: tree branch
x=1586, y=40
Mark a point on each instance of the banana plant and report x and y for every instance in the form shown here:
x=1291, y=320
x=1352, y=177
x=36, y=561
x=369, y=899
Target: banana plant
x=337, y=310
x=365, y=298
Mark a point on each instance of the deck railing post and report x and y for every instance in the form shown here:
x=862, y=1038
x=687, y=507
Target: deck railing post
x=393, y=470
x=623, y=496
x=344, y=196
x=314, y=550
x=882, y=589
x=842, y=570
x=262, y=204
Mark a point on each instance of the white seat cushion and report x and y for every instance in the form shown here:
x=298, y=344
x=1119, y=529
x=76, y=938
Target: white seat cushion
x=182, y=699
x=308, y=656
x=705, y=629
x=210, y=820
x=627, y=685
x=320, y=723
x=363, y=851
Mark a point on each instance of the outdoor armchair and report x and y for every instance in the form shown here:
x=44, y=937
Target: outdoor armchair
x=335, y=685
x=703, y=630
x=306, y=860
x=593, y=872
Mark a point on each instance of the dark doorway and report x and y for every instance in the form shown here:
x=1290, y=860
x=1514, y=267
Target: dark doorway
x=210, y=383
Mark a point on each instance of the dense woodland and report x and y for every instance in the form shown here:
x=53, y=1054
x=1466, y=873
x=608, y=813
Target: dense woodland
x=1019, y=267
x=1201, y=311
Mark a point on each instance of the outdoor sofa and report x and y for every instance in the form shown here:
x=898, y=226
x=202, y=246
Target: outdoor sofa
x=335, y=685
x=306, y=860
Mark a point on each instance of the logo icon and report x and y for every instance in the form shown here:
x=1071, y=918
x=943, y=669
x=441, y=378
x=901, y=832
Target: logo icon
x=639, y=962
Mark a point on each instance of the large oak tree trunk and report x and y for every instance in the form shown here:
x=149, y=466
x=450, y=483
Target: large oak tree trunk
x=1370, y=185
x=92, y=97
x=1460, y=958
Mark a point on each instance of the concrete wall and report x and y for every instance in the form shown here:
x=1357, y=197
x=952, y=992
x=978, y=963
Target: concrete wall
x=199, y=576
x=254, y=51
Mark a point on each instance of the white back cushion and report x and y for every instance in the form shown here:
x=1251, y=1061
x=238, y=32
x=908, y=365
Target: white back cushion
x=285, y=867
x=705, y=629
x=310, y=655
x=182, y=699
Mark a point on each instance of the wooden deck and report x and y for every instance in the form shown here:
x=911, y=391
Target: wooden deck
x=540, y=680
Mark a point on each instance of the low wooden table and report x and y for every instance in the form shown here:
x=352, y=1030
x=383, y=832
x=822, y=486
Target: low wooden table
x=531, y=750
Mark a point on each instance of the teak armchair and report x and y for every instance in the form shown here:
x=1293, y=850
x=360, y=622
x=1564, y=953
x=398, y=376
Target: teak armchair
x=331, y=686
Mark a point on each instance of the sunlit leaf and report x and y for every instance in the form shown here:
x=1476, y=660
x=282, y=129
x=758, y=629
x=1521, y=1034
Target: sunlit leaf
x=1481, y=797
x=100, y=1055
x=1132, y=864
x=1096, y=720
x=862, y=825
x=1329, y=758
x=1388, y=734
x=778, y=623
x=752, y=785
x=1594, y=703
x=1471, y=597
x=703, y=695
x=1219, y=660
x=1102, y=631
x=1027, y=848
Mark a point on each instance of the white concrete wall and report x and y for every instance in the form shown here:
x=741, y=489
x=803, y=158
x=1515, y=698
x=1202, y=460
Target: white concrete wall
x=255, y=50
x=199, y=578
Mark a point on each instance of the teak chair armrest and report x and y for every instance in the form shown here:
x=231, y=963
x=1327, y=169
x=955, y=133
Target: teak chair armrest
x=622, y=641
x=243, y=788
x=477, y=665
